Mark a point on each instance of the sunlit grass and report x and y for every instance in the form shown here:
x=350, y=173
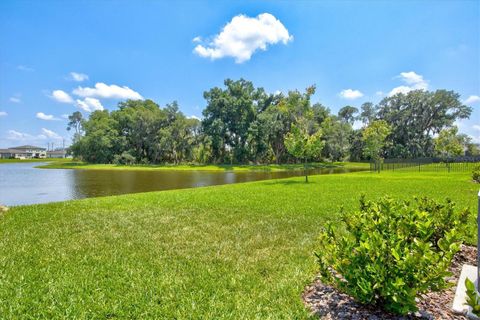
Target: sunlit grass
x=242, y=251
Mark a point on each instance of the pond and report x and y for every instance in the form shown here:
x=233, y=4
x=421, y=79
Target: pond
x=22, y=183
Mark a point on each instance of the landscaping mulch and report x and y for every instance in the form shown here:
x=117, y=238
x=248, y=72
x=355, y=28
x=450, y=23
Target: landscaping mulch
x=328, y=303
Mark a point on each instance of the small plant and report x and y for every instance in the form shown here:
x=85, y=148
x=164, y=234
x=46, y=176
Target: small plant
x=473, y=300
x=390, y=251
x=476, y=173
x=124, y=159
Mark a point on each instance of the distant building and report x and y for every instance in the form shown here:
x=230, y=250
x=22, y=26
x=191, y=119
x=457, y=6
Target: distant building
x=12, y=153
x=24, y=152
x=57, y=154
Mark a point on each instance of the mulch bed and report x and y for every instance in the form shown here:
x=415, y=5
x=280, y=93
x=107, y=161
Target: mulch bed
x=328, y=303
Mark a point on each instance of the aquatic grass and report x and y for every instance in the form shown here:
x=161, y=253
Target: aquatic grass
x=242, y=251
x=200, y=167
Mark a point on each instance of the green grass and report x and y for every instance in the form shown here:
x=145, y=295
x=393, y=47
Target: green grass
x=197, y=167
x=242, y=251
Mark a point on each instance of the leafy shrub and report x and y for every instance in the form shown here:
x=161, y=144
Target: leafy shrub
x=124, y=158
x=473, y=300
x=390, y=251
x=476, y=173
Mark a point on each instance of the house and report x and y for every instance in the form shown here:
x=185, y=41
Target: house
x=57, y=154
x=31, y=151
x=12, y=153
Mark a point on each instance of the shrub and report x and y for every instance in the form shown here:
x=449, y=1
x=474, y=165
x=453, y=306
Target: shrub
x=476, y=173
x=124, y=158
x=390, y=251
x=473, y=300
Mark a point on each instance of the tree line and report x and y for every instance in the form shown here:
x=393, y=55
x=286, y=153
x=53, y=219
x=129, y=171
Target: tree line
x=245, y=124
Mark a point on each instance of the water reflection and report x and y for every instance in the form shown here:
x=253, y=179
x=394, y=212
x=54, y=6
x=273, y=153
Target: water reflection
x=22, y=183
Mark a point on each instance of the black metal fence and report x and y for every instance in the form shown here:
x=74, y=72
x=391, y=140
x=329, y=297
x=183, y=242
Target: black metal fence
x=457, y=164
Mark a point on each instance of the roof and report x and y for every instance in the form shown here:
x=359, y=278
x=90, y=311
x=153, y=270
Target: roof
x=28, y=147
x=11, y=151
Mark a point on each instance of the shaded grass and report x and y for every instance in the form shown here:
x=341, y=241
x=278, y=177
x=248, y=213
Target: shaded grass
x=240, y=251
x=198, y=167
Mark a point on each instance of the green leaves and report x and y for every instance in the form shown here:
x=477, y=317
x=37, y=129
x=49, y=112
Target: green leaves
x=391, y=251
x=473, y=299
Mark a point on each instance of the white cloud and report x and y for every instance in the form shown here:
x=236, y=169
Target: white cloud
x=43, y=116
x=25, y=68
x=379, y=93
x=351, y=94
x=3, y=114
x=197, y=39
x=103, y=90
x=242, y=36
x=15, y=135
x=15, y=100
x=65, y=116
x=50, y=134
x=472, y=100
x=412, y=80
x=89, y=104
x=61, y=96
x=79, y=77
x=194, y=117
x=476, y=127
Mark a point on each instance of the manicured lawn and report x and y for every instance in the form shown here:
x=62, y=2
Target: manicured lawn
x=198, y=167
x=241, y=251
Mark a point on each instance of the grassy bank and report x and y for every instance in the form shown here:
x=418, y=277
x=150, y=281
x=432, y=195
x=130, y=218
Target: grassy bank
x=55, y=160
x=241, y=251
x=182, y=167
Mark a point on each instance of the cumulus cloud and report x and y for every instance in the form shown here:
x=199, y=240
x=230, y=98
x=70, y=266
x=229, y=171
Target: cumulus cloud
x=47, y=117
x=50, y=134
x=194, y=117
x=79, y=77
x=412, y=80
x=472, y=100
x=351, y=94
x=61, y=96
x=102, y=90
x=89, y=104
x=3, y=114
x=15, y=100
x=242, y=36
x=22, y=136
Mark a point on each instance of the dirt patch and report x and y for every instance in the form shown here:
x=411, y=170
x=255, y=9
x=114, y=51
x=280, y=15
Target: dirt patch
x=328, y=303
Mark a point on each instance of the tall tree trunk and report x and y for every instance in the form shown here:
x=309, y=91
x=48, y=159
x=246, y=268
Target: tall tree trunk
x=305, y=170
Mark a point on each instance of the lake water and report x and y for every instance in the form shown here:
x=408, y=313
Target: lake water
x=22, y=183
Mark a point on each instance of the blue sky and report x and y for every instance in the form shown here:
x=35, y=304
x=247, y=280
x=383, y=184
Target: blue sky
x=169, y=51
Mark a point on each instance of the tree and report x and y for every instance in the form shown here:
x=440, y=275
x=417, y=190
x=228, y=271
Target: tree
x=337, y=136
x=449, y=143
x=374, y=136
x=75, y=121
x=368, y=113
x=228, y=116
x=347, y=114
x=303, y=145
x=417, y=116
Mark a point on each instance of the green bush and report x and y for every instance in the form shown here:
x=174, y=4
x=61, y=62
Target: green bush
x=473, y=300
x=390, y=251
x=124, y=158
x=476, y=173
